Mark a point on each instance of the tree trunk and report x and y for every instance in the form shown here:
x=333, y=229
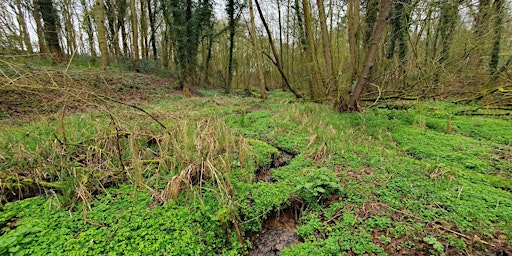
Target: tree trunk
x=448, y=20
x=23, y=28
x=143, y=30
x=481, y=31
x=372, y=8
x=331, y=80
x=135, y=35
x=88, y=27
x=353, y=38
x=69, y=30
x=232, y=31
x=257, y=51
x=314, y=82
x=300, y=25
x=152, y=26
x=276, y=60
x=165, y=48
x=373, y=44
x=495, y=53
x=102, y=33
x=51, y=29
x=280, y=31
x=121, y=15
x=39, y=27
x=113, y=35
x=208, y=60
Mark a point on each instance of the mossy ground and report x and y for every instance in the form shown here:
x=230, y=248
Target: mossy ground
x=421, y=180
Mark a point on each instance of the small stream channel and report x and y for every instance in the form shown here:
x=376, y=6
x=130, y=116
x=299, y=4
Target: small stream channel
x=279, y=229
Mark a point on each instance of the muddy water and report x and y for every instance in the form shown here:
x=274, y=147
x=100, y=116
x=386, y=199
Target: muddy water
x=278, y=232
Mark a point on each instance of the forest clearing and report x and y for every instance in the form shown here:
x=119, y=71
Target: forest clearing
x=259, y=127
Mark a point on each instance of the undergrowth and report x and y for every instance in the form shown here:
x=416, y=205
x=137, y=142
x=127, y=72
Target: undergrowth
x=424, y=179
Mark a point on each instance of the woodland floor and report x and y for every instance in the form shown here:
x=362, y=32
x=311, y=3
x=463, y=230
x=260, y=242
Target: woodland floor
x=148, y=171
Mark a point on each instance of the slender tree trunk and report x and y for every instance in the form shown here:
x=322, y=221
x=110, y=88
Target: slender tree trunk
x=257, y=51
x=276, y=60
x=90, y=35
x=165, y=48
x=280, y=30
x=326, y=46
x=111, y=9
x=88, y=27
x=135, y=35
x=143, y=30
x=23, y=25
x=353, y=38
x=152, y=26
x=39, y=27
x=69, y=30
x=314, y=82
x=102, y=33
x=208, y=60
x=121, y=15
x=232, y=31
x=495, y=53
x=373, y=44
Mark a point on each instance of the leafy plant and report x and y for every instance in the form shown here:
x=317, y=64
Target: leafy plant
x=317, y=184
x=438, y=247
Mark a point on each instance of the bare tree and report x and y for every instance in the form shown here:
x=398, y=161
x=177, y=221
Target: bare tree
x=373, y=44
x=39, y=26
x=276, y=60
x=102, y=33
x=256, y=50
x=135, y=34
x=331, y=80
x=23, y=27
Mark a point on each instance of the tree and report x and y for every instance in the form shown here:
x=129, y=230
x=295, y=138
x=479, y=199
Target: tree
x=257, y=50
x=232, y=24
x=353, y=37
x=495, y=53
x=276, y=60
x=449, y=16
x=152, y=26
x=481, y=28
x=122, y=9
x=372, y=8
x=102, y=38
x=112, y=35
x=331, y=80
x=51, y=29
x=23, y=27
x=39, y=26
x=143, y=30
x=188, y=21
x=399, y=19
x=314, y=79
x=135, y=35
x=373, y=44
x=69, y=31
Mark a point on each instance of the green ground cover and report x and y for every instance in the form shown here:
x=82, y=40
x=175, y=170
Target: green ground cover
x=421, y=179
